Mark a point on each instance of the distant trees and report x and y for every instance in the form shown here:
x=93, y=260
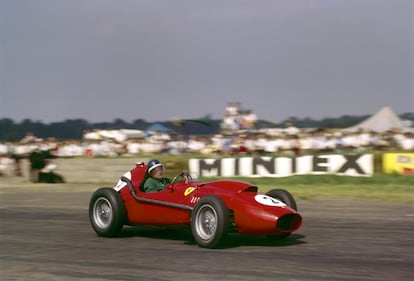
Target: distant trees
x=68, y=129
x=340, y=122
x=73, y=129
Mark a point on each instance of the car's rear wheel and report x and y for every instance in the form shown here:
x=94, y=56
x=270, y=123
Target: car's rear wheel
x=106, y=212
x=287, y=198
x=210, y=221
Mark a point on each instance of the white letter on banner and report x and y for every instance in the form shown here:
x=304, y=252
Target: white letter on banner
x=364, y=166
x=264, y=166
x=320, y=164
x=210, y=167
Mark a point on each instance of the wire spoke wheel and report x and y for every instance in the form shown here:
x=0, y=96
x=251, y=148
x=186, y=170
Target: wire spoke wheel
x=209, y=221
x=102, y=212
x=206, y=222
x=106, y=212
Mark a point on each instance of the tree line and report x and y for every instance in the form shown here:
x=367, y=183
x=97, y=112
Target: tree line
x=73, y=129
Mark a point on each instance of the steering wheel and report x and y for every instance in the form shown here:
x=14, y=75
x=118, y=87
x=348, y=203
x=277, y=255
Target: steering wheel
x=185, y=174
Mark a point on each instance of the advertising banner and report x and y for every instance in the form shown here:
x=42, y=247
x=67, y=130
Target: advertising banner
x=398, y=163
x=338, y=164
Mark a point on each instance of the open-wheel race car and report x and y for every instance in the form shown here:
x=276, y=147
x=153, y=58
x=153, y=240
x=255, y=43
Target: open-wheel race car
x=211, y=209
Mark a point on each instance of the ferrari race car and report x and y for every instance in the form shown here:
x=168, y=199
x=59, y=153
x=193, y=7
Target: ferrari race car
x=212, y=209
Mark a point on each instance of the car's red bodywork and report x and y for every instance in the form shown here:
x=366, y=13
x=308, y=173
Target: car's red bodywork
x=250, y=211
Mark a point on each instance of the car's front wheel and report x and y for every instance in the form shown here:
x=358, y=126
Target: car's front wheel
x=106, y=212
x=287, y=198
x=210, y=221
x=284, y=196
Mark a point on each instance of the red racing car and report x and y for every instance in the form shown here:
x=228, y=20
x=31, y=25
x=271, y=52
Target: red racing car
x=212, y=209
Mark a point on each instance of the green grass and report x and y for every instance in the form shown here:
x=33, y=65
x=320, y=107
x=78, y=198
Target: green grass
x=380, y=187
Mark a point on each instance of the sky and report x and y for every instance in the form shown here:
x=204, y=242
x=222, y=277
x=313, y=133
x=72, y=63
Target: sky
x=159, y=60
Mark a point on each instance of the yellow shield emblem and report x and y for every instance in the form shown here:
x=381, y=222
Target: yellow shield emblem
x=189, y=191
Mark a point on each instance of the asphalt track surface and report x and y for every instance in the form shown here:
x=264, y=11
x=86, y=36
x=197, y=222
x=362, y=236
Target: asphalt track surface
x=46, y=235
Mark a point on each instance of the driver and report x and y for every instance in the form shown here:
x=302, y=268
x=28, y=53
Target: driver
x=154, y=177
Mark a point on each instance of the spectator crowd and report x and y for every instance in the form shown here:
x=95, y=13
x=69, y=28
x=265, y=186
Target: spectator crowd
x=287, y=141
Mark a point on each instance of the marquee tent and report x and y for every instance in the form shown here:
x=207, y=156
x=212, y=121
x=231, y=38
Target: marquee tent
x=158, y=128
x=382, y=121
x=118, y=135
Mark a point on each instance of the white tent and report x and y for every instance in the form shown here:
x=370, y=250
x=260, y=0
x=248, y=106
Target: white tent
x=382, y=121
x=118, y=135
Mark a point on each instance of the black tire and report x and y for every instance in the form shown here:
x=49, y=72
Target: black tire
x=106, y=212
x=58, y=178
x=210, y=221
x=284, y=196
x=287, y=198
